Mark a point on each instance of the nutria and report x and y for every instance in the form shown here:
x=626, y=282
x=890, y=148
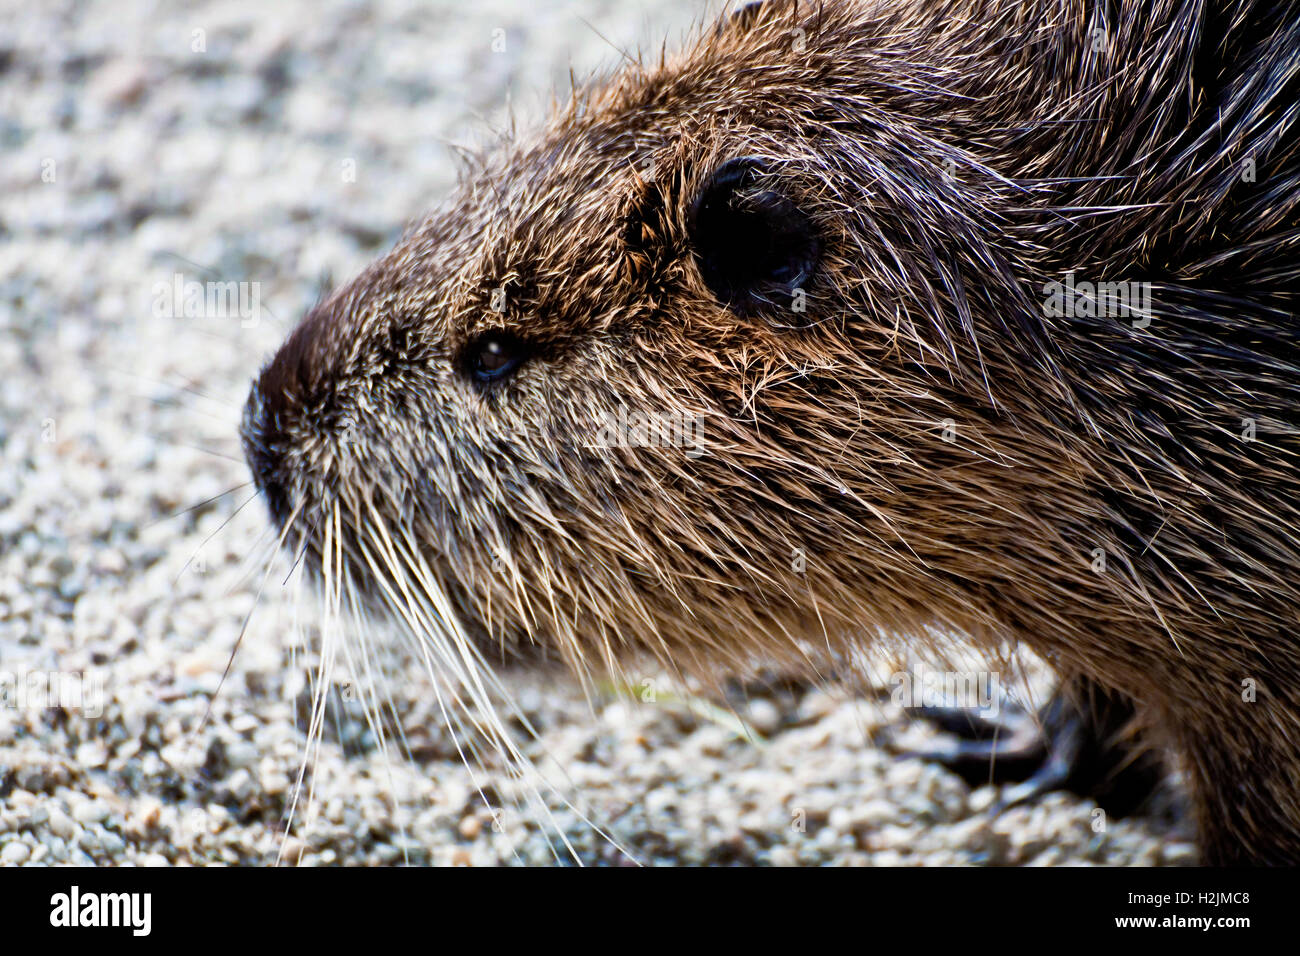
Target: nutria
x=893, y=317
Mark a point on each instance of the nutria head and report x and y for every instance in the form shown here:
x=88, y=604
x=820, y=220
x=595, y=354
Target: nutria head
x=678, y=367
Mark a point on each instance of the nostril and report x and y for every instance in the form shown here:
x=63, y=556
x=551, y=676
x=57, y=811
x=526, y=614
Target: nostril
x=265, y=460
x=286, y=404
x=273, y=488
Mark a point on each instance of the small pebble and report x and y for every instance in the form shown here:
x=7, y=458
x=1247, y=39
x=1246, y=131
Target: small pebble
x=91, y=811
x=15, y=853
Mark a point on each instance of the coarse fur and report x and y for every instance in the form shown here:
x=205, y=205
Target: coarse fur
x=924, y=447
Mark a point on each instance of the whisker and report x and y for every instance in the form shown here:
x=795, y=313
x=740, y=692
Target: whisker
x=306, y=543
x=205, y=501
x=207, y=451
x=190, y=387
x=257, y=600
x=229, y=518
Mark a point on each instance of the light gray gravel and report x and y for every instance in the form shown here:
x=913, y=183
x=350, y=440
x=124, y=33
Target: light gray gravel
x=129, y=156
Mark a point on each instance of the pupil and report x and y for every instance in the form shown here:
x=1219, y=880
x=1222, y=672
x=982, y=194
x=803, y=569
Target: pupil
x=493, y=357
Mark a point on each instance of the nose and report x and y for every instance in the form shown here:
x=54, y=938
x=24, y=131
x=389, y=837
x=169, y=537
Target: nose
x=285, y=402
x=263, y=443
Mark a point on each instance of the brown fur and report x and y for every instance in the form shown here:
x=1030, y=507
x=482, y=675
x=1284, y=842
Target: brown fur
x=955, y=157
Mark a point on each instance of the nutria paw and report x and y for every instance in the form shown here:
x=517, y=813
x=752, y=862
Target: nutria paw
x=1078, y=741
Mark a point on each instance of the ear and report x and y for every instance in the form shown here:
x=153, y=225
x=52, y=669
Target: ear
x=755, y=248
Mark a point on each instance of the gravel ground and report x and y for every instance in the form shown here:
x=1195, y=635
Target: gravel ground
x=129, y=156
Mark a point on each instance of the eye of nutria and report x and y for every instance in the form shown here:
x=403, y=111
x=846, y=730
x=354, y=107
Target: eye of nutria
x=493, y=356
x=754, y=246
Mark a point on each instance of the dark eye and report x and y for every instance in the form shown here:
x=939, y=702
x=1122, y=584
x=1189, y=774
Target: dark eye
x=493, y=356
x=754, y=246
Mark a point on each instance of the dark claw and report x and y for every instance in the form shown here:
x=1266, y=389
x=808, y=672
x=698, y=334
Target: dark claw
x=1077, y=742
